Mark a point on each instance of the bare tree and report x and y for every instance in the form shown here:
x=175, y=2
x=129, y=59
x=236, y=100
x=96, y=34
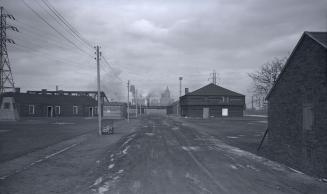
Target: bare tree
x=265, y=78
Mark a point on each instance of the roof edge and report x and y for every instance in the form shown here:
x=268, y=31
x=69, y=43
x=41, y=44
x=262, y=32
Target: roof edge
x=315, y=39
x=291, y=56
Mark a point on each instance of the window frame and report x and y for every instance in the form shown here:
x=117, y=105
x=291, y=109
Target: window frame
x=29, y=109
x=75, y=113
x=55, y=110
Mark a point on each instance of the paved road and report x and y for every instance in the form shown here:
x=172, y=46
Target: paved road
x=168, y=156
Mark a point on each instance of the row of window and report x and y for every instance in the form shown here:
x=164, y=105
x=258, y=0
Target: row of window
x=225, y=99
x=57, y=110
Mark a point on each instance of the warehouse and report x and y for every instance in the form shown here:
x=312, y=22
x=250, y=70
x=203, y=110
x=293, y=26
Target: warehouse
x=212, y=101
x=297, y=107
x=50, y=104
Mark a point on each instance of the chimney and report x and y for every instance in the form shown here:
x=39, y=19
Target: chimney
x=57, y=87
x=186, y=91
x=44, y=91
x=17, y=90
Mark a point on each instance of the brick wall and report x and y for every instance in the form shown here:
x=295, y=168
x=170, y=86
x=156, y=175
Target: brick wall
x=303, y=81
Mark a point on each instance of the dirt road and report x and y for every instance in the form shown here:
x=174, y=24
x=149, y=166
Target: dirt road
x=167, y=156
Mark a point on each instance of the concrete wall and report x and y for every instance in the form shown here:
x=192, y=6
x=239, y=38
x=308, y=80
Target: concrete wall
x=303, y=81
x=8, y=113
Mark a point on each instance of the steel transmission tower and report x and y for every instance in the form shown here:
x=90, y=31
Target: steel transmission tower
x=6, y=78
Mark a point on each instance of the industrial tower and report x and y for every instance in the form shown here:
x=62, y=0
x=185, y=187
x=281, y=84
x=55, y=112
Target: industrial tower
x=6, y=78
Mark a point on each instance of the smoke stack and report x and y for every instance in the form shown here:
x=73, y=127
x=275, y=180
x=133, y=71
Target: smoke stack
x=17, y=90
x=57, y=87
x=186, y=91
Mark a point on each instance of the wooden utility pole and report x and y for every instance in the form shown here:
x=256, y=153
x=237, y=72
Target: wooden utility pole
x=136, y=102
x=128, y=100
x=99, y=93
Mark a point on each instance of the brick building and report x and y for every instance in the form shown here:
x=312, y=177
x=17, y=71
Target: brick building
x=297, y=107
x=50, y=103
x=212, y=101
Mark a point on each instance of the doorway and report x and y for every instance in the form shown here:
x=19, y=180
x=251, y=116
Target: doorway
x=90, y=111
x=205, y=113
x=224, y=112
x=50, y=111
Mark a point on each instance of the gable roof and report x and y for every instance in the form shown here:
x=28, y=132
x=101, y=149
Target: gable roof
x=319, y=37
x=213, y=90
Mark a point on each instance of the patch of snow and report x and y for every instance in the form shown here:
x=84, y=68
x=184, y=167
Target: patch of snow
x=116, y=177
x=218, y=145
x=190, y=148
x=112, y=159
x=232, y=137
x=98, y=161
x=262, y=121
x=126, y=142
x=175, y=128
x=263, y=116
x=62, y=123
x=323, y=180
x=98, y=181
x=111, y=166
x=149, y=134
x=103, y=189
x=120, y=171
x=233, y=166
x=296, y=171
x=125, y=150
x=111, y=156
x=3, y=131
x=252, y=167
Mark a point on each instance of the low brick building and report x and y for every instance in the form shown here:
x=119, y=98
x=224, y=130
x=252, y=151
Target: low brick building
x=212, y=101
x=51, y=103
x=297, y=107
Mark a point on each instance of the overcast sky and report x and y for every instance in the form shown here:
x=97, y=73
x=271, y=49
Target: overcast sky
x=152, y=43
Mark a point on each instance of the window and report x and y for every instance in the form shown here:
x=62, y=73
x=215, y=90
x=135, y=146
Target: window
x=307, y=117
x=57, y=110
x=6, y=105
x=224, y=112
x=75, y=110
x=31, y=109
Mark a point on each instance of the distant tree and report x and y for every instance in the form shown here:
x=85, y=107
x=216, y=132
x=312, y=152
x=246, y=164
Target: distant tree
x=265, y=78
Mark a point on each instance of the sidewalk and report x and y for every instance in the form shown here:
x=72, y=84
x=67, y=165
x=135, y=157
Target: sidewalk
x=67, y=167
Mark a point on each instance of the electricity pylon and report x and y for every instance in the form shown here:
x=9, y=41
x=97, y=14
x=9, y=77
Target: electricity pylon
x=6, y=78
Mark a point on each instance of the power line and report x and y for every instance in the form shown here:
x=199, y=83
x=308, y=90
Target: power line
x=66, y=23
x=44, y=55
x=106, y=61
x=52, y=27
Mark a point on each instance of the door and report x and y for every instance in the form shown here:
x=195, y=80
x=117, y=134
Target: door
x=205, y=113
x=90, y=111
x=224, y=112
x=50, y=111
